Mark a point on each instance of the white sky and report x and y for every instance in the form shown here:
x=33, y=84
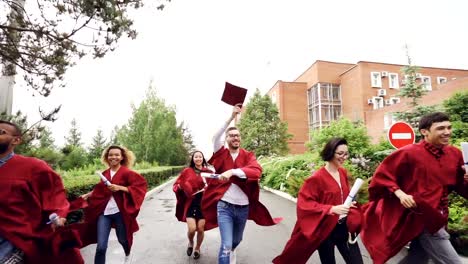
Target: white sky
x=192, y=47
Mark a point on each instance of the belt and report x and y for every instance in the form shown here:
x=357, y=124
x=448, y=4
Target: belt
x=235, y=205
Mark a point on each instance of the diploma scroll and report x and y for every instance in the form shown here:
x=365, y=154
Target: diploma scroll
x=104, y=179
x=53, y=218
x=464, y=146
x=216, y=176
x=352, y=193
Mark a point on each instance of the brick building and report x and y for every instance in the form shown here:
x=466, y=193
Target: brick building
x=366, y=91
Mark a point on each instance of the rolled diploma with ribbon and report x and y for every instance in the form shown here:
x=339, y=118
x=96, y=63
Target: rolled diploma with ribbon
x=209, y=175
x=352, y=193
x=464, y=146
x=104, y=179
x=216, y=176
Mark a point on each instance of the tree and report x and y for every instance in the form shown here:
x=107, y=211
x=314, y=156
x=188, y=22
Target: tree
x=188, y=140
x=152, y=132
x=414, y=91
x=113, y=137
x=97, y=146
x=354, y=133
x=74, y=135
x=262, y=130
x=46, y=140
x=45, y=38
x=456, y=106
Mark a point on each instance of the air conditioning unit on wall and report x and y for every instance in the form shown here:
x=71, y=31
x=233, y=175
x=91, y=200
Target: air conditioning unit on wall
x=384, y=73
x=370, y=101
x=395, y=100
x=382, y=92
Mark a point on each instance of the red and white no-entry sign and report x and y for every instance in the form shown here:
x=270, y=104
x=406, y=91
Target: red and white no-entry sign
x=400, y=134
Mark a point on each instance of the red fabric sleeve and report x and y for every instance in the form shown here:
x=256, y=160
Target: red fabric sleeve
x=309, y=211
x=136, y=193
x=51, y=193
x=385, y=179
x=252, y=169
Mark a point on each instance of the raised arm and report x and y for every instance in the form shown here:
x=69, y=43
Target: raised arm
x=218, y=141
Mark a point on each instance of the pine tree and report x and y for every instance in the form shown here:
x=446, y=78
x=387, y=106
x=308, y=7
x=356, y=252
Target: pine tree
x=97, y=146
x=261, y=128
x=414, y=90
x=74, y=136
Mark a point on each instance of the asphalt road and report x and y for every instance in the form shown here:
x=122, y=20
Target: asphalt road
x=162, y=239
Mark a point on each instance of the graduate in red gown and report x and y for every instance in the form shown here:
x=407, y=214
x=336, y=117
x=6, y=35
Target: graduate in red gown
x=233, y=198
x=408, y=197
x=115, y=205
x=319, y=206
x=30, y=191
x=189, y=188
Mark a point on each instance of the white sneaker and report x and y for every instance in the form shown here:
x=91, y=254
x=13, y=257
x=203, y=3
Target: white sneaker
x=232, y=257
x=128, y=259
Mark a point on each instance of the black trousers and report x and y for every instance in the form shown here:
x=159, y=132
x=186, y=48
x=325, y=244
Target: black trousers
x=339, y=238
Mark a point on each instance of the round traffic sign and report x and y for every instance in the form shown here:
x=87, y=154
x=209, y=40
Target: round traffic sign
x=400, y=134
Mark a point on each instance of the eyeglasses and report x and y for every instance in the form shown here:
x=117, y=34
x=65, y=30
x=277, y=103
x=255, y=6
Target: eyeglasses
x=342, y=154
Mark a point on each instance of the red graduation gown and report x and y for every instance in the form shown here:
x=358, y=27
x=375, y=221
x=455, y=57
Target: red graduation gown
x=314, y=223
x=388, y=226
x=190, y=182
x=222, y=161
x=29, y=192
x=129, y=203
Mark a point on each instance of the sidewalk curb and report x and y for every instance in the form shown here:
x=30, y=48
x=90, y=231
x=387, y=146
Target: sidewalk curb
x=280, y=193
x=159, y=187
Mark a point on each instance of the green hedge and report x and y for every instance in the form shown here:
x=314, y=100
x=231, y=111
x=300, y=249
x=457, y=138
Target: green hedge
x=78, y=185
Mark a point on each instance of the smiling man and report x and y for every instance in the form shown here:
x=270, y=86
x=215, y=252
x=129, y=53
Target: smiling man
x=408, y=197
x=233, y=198
x=30, y=191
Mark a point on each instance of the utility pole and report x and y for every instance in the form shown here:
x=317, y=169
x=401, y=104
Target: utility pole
x=8, y=73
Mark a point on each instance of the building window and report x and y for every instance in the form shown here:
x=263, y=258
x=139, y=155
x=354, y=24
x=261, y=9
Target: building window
x=393, y=81
x=376, y=79
x=389, y=120
x=273, y=97
x=426, y=82
x=441, y=80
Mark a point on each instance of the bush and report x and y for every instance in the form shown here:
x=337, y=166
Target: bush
x=80, y=184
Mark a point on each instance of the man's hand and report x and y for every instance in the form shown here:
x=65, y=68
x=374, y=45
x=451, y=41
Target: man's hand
x=406, y=200
x=340, y=209
x=59, y=223
x=236, y=110
x=225, y=175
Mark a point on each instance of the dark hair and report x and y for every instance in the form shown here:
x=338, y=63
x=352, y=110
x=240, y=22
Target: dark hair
x=15, y=126
x=328, y=151
x=230, y=129
x=192, y=163
x=427, y=120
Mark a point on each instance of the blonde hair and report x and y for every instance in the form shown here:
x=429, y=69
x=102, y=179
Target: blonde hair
x=128, y=158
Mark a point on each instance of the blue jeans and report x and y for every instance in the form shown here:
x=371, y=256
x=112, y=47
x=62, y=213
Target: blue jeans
x=231, y=221
x=104, y=226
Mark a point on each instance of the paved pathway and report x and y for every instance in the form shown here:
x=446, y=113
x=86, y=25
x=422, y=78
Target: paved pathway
x=162, y=239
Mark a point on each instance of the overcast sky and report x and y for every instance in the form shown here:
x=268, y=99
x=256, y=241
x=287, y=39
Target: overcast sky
x=191, y=48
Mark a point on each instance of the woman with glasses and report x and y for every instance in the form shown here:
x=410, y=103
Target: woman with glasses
x=321, y=216
x=189, y=188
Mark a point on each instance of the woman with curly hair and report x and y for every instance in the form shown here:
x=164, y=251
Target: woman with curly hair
x=114, y=203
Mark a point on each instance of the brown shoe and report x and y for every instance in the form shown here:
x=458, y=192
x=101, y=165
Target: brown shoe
x=196, y=254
